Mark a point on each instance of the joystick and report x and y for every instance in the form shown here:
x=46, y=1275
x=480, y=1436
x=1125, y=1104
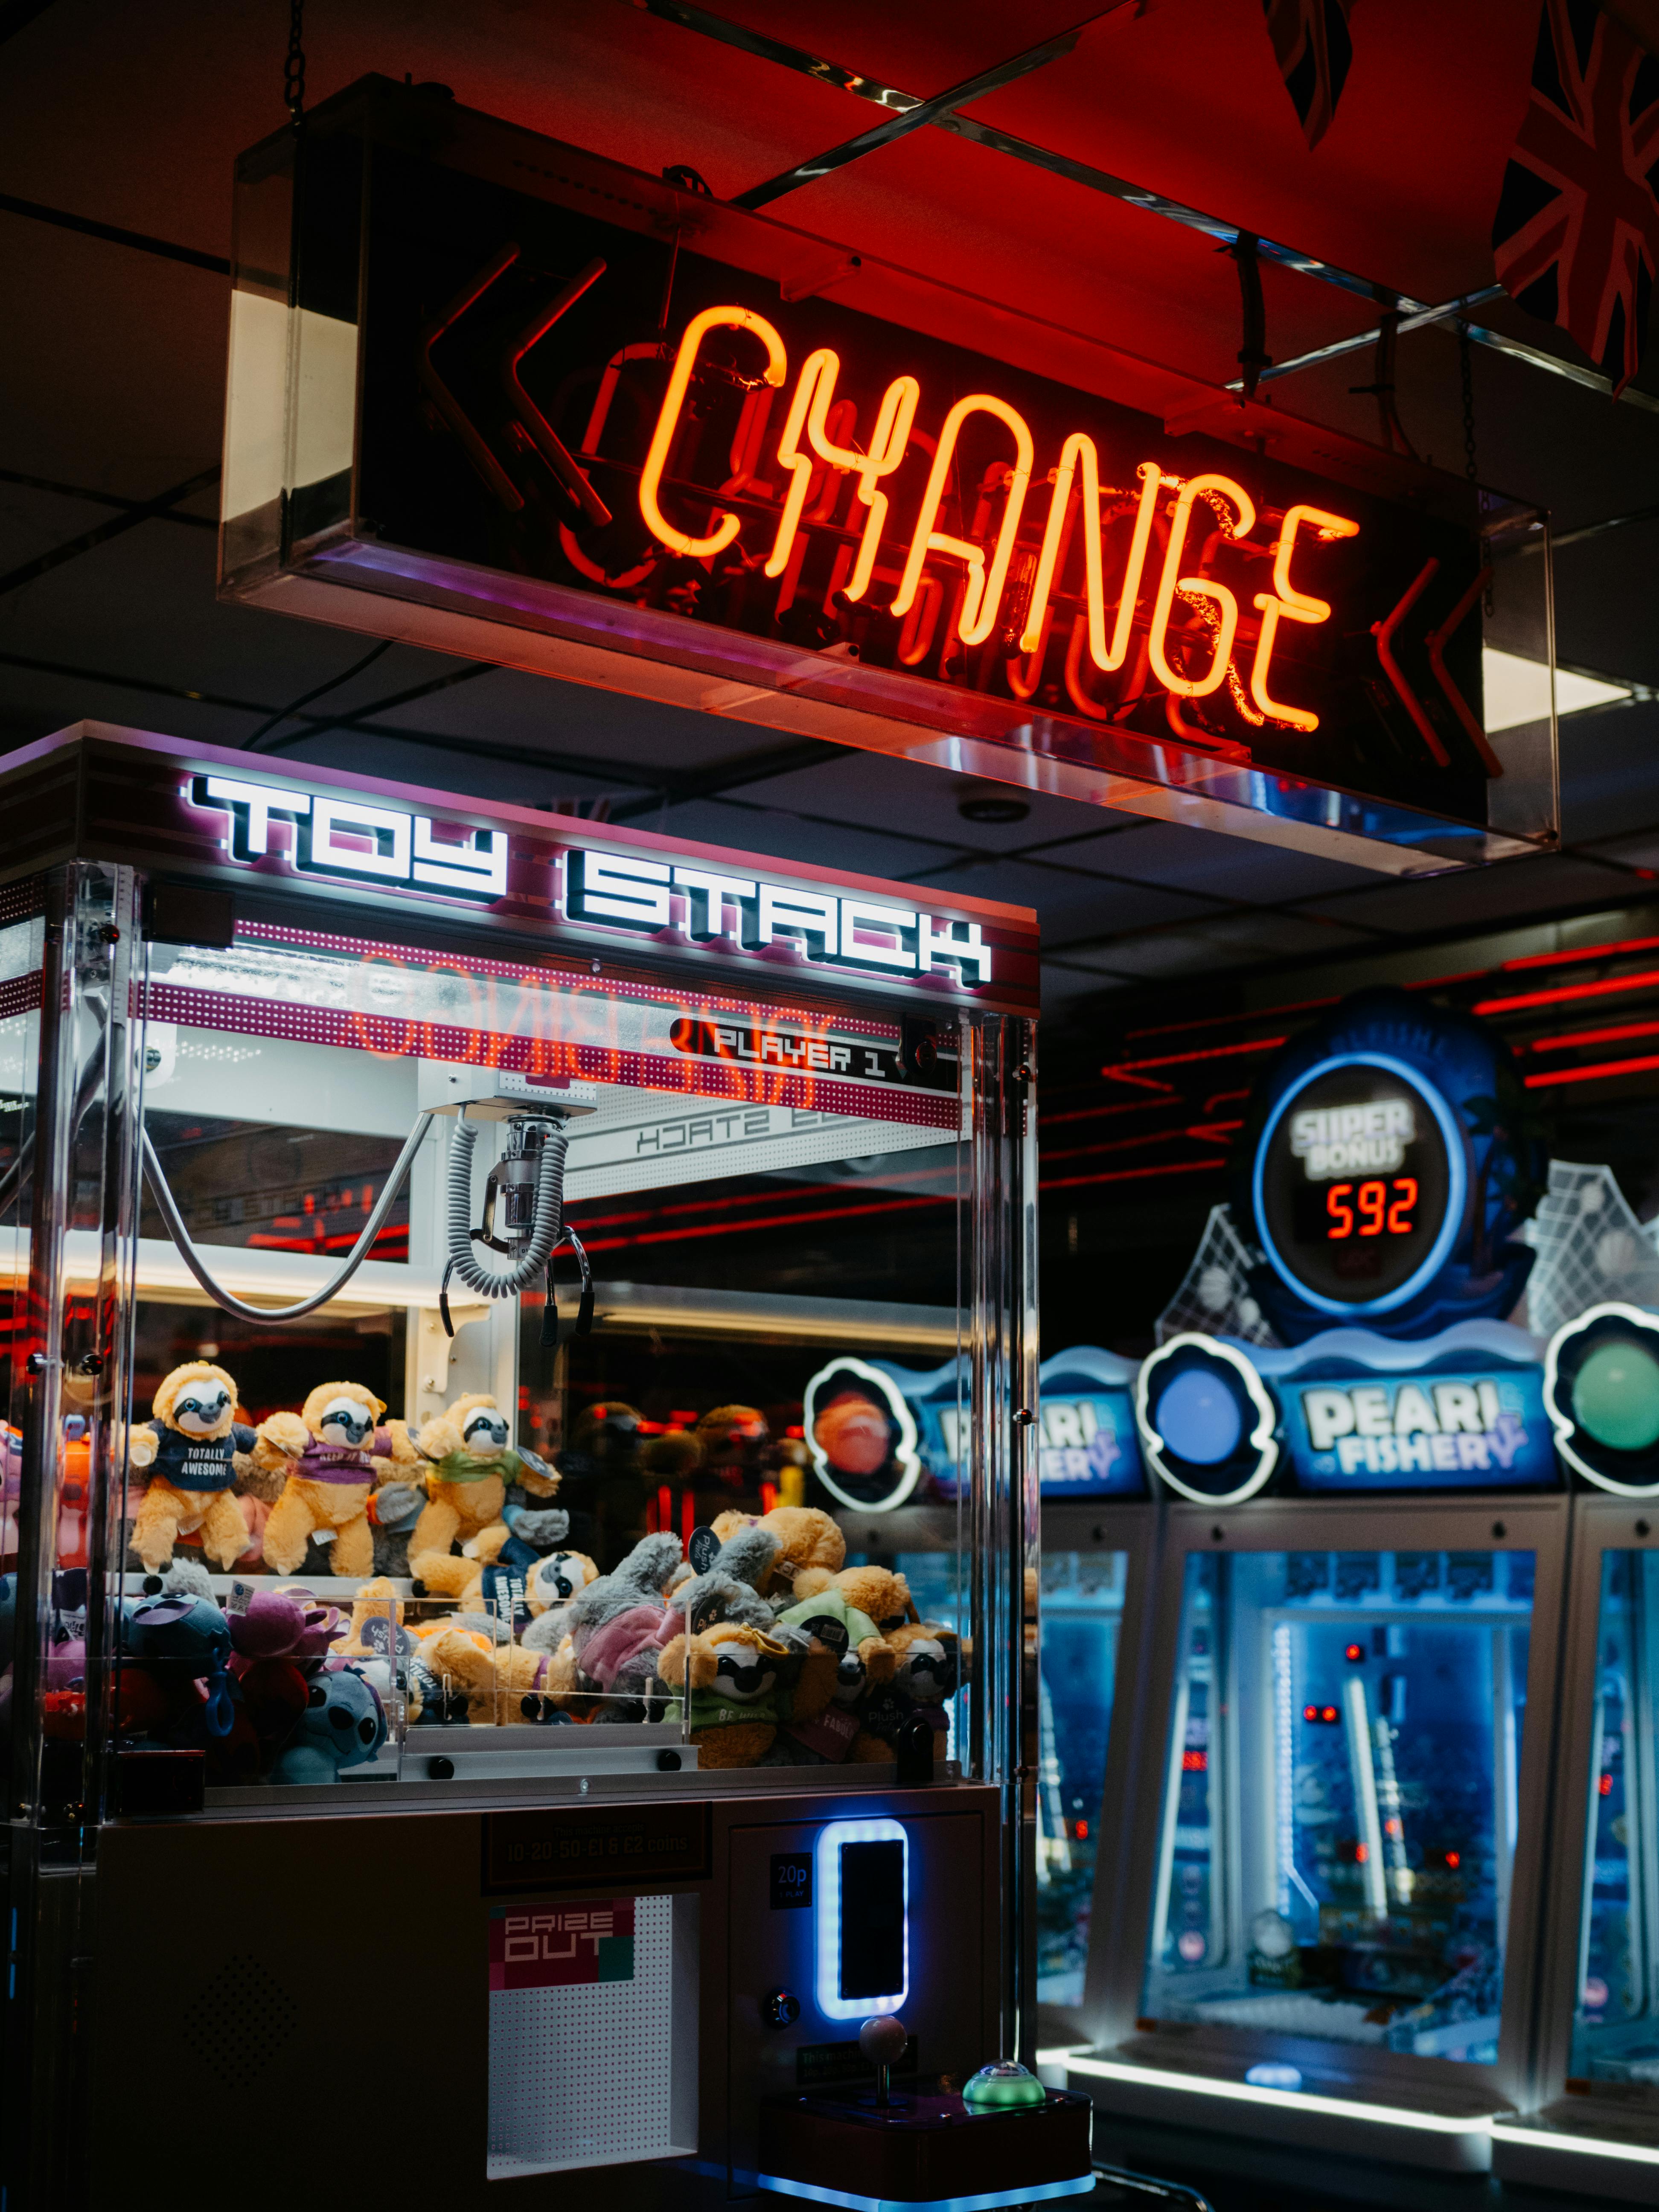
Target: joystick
x=882, y=2040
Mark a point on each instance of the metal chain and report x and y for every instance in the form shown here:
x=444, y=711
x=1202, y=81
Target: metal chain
x=293, y=69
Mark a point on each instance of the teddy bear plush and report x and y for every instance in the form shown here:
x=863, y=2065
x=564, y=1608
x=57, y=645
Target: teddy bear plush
x=190, y=1454
x=734, y=1681
x=335, y=1457
x=927, y=1666
x=502, y=1684
x=847, y=1656
x=470, y=1462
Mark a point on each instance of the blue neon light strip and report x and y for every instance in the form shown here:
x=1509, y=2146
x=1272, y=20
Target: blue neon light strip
x=1040, y=2192
x=831, y=2003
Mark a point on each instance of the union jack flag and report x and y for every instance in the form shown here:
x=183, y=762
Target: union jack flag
x=1313, y=50
x=1577, y=225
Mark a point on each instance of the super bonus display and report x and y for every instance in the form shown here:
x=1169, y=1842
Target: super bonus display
x=582, y=400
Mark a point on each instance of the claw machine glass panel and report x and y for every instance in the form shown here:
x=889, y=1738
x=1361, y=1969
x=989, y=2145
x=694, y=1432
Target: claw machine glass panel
x=1342, y=1798
x=463, y=1277
x=1591, y=2124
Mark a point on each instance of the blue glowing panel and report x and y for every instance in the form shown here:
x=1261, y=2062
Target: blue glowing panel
x=863, y=1888
x=1199, y=1418
x=1043, y=2193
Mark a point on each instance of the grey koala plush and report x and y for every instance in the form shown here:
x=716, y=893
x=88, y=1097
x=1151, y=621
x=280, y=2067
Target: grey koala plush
x=638, y=1582
x=727, y=1589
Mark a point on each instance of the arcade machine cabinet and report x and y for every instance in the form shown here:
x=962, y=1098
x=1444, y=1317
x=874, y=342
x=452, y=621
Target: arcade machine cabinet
x=1339, y=1812
x=1592, y=2127
x=447, y=1743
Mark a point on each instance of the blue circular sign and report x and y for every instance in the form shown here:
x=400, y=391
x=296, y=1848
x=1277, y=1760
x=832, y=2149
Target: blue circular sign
x=1359, y=1184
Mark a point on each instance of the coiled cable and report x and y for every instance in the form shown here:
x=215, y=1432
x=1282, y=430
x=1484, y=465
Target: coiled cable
x=545, y=1228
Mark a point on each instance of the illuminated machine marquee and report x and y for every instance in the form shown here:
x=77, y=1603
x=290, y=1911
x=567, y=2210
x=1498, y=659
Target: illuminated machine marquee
x=590, y=423
x=337, y=836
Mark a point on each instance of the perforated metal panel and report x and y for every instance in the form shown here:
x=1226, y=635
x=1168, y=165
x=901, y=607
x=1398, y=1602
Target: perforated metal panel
x=597, y=2073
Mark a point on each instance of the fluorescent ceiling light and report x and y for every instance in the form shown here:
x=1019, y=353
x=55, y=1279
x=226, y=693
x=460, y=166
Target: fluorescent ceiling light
x=1518, y=690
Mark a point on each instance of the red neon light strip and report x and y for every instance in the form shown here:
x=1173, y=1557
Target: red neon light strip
x=1566, y=990
x=1133, y=1175
x=1124, y=1069
x=1597, y=1036
x=1585, y=952
x=1589, y=1074
x=766, y=1221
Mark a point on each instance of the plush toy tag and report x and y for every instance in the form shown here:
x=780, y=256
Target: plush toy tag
x=703, y=1550
x=504, y=1596
x=829, y=1631
x=240, y=1595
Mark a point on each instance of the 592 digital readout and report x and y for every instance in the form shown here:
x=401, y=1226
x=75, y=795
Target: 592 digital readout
x=1374, y=1208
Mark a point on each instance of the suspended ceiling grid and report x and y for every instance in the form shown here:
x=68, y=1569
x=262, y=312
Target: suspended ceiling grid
x=128, y=120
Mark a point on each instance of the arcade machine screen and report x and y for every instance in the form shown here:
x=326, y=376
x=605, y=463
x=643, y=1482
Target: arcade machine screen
x=1083, y=1595
x=1340, y=1798
x=1615, y=2040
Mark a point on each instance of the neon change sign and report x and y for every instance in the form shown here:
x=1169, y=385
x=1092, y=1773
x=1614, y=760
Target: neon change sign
x=1225, y=511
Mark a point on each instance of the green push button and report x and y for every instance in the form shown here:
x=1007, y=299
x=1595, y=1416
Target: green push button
x=1615, y=1396
x=1002, y=2086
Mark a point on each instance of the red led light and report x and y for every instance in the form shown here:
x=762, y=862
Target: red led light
x=1454, y=1858
x=1354, y=1651
x=1380, y=1214
x=1329, y=1715
x=1606, y=1785
x=1083, y=1832
x=1195, y=1762
x=1311, y=1712
x=1361, y=1853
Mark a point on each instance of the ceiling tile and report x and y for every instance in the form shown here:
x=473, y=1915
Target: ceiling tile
x=1531, y=886
x=1205, y=861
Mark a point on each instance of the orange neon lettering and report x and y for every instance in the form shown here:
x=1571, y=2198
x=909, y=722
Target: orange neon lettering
x=1197, y=587
x=1077, y=454
x=656, y=459
x=1291, y=605
x=809, y=409
x=983, y=595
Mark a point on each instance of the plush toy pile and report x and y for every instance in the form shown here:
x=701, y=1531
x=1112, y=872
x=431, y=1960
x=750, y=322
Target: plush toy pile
x=770, y=1648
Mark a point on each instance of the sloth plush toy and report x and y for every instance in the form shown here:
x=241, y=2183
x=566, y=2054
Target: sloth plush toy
x=191, y=1453
x=470, y=1463
x=334, y=1457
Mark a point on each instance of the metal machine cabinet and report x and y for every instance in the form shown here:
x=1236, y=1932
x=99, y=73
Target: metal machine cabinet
x=1340, y=1812
x=1099, y=1561
x=449, y=1442
x=1592, y=2120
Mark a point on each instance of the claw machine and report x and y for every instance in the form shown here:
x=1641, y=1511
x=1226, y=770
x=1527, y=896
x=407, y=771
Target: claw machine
x=451, y=1571
x=1591, y=2128
x=1326, y=1934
